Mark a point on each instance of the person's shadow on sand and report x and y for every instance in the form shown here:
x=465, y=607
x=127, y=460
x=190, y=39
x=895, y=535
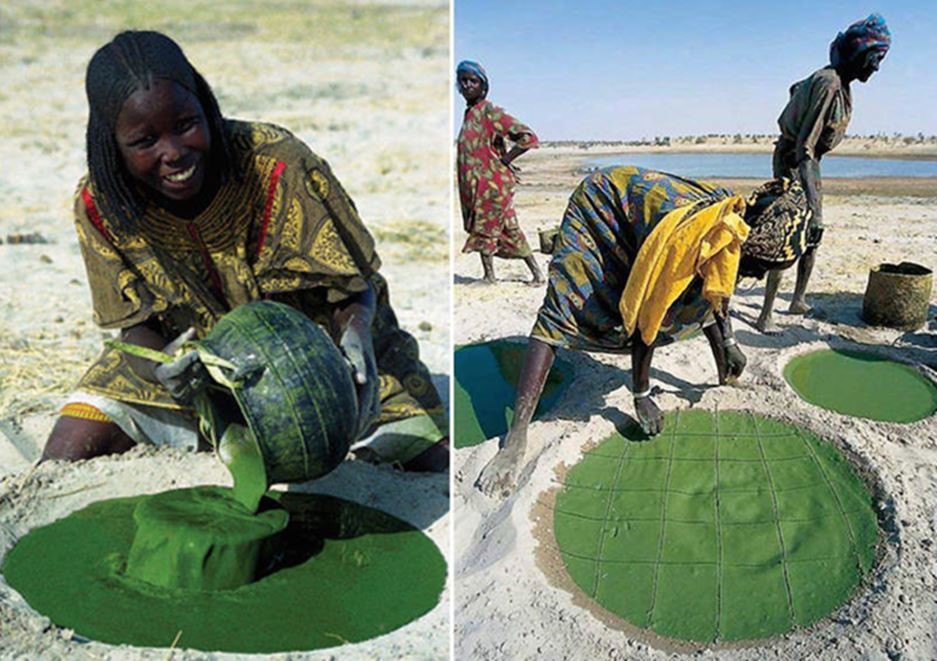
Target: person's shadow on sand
x=466, y=280
x=843, y=312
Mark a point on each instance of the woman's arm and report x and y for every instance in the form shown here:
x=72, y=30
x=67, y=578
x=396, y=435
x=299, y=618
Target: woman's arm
x=809, y=172
x=509, y=127
x=821, y=107
x=516, y=151
x=184, y=377
x=145, y=335
x=649, y=416
x=352, y=319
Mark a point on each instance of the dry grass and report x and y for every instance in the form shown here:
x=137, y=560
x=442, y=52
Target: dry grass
x=414, y=239
x=35, y=372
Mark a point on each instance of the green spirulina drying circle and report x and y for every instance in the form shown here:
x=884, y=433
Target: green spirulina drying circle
x=486, y=376
x=726, y=527
x=863, y=385
x=344, y=573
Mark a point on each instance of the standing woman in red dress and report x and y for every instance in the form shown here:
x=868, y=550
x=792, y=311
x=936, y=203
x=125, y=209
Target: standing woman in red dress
x=486, y=176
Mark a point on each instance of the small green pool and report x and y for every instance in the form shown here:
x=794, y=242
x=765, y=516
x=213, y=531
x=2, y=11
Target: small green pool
x=726, y=527
x=863, y=385
x=343, y=573
x=486, y=376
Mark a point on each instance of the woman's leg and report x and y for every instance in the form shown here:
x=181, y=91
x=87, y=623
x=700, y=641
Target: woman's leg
x=500, y=474
x=804, y=269
x=765, y=321
x=488, y=266
x=76, y=438
x=536, y=275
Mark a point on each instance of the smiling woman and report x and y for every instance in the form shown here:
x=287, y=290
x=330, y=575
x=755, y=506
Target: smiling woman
x=163, y=137
x=185, y=215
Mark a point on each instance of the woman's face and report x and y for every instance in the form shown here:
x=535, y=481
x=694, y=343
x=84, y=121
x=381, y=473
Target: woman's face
x=870, y=64
x=470, y=86
x=163, y=137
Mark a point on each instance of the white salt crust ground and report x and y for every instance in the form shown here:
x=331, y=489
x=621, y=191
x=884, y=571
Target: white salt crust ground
x=376, y=108
x=505, y=604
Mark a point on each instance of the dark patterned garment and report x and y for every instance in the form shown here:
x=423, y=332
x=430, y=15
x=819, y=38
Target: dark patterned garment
x=813, y=123
x=486, y=185
x=284, y=230
x=814, y=120
x=608, y=218
x=779, y=215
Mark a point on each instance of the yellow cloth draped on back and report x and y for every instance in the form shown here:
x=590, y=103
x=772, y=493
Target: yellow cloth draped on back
x=705, y=243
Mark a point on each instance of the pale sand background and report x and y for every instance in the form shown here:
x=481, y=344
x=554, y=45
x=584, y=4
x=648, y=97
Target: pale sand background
x=506, y=604
x=366, y=85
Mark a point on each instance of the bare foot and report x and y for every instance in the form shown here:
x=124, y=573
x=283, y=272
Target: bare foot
x=767, y=326
x=799, y=306
x=489, y=280
x=536, y=276
x=499, y=476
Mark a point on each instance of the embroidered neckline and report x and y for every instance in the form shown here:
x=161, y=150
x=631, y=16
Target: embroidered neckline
x=220, y=226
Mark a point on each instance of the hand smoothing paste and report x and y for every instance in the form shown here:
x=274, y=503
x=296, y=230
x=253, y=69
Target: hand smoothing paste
x=196, y=567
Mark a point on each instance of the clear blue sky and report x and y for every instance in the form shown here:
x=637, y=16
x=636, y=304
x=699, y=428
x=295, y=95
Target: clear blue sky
x=625, y=70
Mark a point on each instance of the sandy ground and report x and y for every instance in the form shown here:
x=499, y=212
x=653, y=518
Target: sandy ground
x=514, y=601
x=366, y=86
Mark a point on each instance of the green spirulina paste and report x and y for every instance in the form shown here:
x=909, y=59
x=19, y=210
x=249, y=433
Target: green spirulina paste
x=486, y=376
x=725, y=527
x=862, y=385
x=337, y=573
x=199, y=539
x=242, y=456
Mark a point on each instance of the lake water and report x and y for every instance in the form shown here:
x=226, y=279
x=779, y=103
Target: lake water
x=758, y=166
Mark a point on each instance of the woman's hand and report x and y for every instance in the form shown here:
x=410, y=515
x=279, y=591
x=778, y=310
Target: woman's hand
x=355, y=343
x=735, y=363
x=186, y=376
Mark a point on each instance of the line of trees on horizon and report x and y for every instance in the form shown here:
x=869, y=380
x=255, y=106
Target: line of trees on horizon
x=737, y=139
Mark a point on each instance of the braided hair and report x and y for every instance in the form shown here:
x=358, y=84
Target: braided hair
x=132, y=61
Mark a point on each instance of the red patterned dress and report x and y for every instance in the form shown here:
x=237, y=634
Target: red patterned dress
x=486, y=185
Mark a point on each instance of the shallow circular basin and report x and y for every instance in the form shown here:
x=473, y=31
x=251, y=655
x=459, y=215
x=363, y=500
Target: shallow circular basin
x=726, y=527
x=342, y=573
x=863, y=385
x=486, y=376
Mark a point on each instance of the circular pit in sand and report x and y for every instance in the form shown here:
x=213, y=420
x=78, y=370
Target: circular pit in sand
x=862, y=385
x=726, y=527
x=486, y=376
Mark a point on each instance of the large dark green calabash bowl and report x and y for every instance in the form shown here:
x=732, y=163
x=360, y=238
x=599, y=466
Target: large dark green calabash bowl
x=296, y=392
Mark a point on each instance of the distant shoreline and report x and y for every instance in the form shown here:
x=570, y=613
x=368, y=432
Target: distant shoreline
x=880, y=148
x=559, y=170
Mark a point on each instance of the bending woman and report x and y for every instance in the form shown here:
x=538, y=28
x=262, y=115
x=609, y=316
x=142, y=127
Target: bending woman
x=183, y=216
x=486, y=176
x=645, y=258
x=813, y=123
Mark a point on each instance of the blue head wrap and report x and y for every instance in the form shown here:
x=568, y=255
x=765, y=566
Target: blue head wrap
x=476, y=69
x=859, y=38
